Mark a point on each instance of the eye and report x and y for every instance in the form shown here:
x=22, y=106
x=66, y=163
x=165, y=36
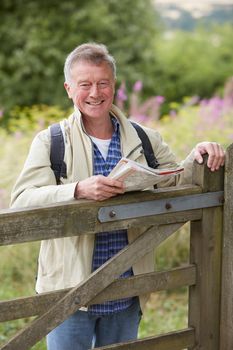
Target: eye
x=103, y=84
x=84, y=86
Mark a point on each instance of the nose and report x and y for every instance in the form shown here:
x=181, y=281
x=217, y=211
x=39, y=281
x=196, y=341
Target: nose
x=94, y=91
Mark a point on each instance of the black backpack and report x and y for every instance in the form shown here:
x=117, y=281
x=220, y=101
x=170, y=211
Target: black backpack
x=57, y=150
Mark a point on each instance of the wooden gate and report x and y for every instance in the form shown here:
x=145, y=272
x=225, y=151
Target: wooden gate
x=162, y=212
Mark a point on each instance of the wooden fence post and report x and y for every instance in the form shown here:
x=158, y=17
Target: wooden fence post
x=205, y=252
x=226, y=325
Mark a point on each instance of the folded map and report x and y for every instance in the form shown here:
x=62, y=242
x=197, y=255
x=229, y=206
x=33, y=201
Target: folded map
x=138, y=177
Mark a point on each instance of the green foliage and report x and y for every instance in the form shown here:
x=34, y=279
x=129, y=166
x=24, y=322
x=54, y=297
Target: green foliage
x=35, y=118
x=196, y=63
x=174, y=251
x=211, y=120
x=23, y=124
x=36, y=36
x=166, y=312
x=18, y=272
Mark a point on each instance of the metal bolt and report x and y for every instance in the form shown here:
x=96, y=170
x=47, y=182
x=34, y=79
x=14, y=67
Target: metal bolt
x=168, y=206
x=112, y=214
x=221, y=200
x=77, y=300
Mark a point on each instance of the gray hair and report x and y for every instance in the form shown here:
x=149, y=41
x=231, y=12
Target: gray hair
x=90, y=52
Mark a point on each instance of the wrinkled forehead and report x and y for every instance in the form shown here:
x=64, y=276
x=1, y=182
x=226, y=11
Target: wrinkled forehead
x=84, y=69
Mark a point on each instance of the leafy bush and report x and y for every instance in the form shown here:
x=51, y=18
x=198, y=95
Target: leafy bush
x=24, y=120
x=22, y=127
x=36, y=37
x=193, y=63
x=187, y=123
x=209, y=120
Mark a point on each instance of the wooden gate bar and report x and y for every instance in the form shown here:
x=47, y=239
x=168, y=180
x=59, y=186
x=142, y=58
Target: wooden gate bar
x=170, y=341
x=87, y=290
x=81, y=217
x=121, y=288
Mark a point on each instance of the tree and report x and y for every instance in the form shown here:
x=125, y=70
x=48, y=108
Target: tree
x=193, y=63
x=36, y=36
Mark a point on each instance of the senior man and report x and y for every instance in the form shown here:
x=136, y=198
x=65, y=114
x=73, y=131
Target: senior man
x=96, y=136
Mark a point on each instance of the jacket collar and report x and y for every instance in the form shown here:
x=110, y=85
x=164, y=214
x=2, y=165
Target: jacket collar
x=131, y=145
x=130, y=142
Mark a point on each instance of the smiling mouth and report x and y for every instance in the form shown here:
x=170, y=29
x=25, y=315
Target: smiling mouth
x=95, y=103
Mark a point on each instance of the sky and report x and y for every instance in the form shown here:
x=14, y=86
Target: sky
x=198, y=7
x=195, y=2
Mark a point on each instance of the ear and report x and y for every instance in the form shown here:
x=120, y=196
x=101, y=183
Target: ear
x=68, y=89
x=114, y=86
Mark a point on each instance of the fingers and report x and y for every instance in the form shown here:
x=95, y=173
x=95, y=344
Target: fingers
x=98, y=188
x=216, y=157
x=216, y=154
x=104, y=190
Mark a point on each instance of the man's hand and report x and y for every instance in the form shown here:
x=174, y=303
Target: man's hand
x=216, y=154
x=98, y=188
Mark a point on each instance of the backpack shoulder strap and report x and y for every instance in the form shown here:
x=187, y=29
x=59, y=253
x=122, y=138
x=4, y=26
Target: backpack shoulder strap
x=57, y=151
x=146, y=145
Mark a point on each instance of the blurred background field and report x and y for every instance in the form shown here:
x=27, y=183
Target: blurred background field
x=175, y=74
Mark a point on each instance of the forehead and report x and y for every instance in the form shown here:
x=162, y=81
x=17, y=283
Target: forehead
x=84, y=70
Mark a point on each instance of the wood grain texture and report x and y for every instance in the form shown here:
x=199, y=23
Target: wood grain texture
x=82, y=294
x=205, y=252
x=121, y=288
x=226, y=324
x=171, y=341
x=208, y=276
x=81, y=217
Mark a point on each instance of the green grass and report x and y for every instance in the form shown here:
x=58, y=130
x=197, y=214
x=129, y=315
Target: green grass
x=166, y=311
x=17, y=275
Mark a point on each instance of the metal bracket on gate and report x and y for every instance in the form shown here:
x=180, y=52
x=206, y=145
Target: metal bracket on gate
x=160, y=206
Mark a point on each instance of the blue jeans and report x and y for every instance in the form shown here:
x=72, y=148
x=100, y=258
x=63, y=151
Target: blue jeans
x=83, y=331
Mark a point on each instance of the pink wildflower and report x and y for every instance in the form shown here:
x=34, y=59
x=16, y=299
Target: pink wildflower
x=138, y=86
x=18, y=135
x=121, y=93
x=140, y=118
x=173, y=113
x=160, y=99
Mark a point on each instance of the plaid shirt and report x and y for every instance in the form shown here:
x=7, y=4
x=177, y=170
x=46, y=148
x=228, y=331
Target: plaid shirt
x=107, y=244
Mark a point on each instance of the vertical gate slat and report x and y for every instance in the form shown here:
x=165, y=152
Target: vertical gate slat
x=205, y=252
x=226, y=325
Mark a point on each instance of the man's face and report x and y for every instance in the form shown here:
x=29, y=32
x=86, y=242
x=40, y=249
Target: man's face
x=92, y=89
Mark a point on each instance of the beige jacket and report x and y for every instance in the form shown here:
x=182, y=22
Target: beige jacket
x=65, y=262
